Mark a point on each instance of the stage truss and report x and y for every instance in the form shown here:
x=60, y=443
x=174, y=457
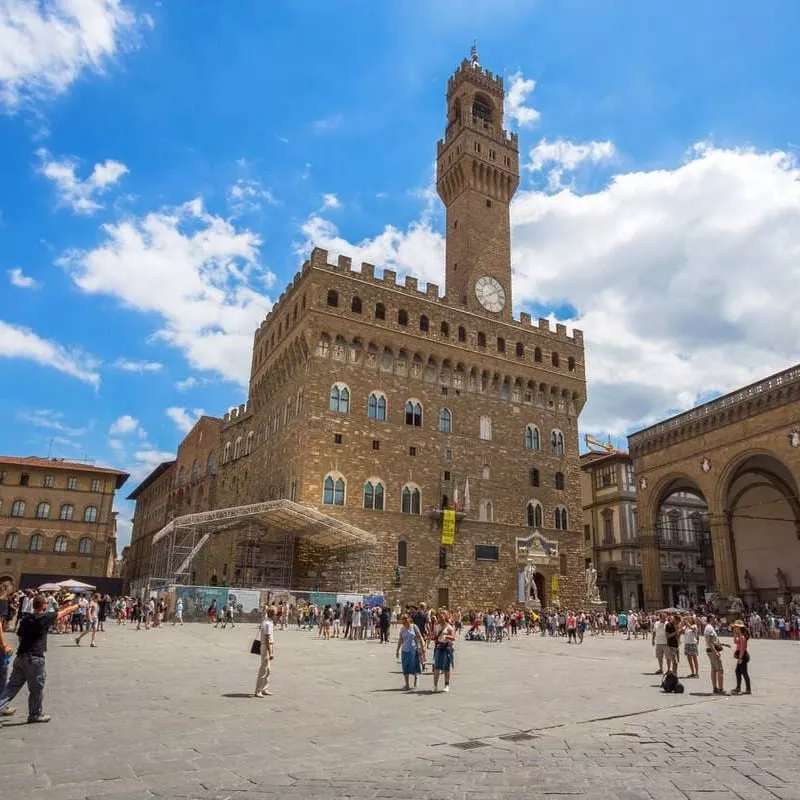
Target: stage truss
x=264, y=545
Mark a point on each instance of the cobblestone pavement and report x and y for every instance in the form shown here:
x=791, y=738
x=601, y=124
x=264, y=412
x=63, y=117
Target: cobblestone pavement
x=167, y=713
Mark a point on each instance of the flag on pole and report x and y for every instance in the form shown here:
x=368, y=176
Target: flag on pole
x=466, y=495
x=455, y=495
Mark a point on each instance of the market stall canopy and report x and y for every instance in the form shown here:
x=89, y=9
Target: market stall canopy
x=50, y=587
x=74, y=585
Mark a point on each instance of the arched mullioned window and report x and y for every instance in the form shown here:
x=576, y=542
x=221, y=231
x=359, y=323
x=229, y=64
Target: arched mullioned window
x=533, y=440
x=339, y=398
x=560, y=480
x=446, y=420
x=43, y=511
x=534, y=514
x=424, y=324
x=12, y=540
x=18, y=508
x=486, y=511
x=237, y=447
x=60, y=544
x=248, y=447
x=36, y=543
x=195, y=471
x=85, y=546
x=333, y=298
x=67, y=511
x=376, y=406
x=557, y=441
x=227, y=453
x=333, y=490
x=374, y=493
x=414, y=413
x=210, y=464
x=560, y=516
x=90, y=514
x=411, y=499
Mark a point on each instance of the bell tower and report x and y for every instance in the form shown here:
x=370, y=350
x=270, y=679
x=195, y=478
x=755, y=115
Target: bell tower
x=477, y=173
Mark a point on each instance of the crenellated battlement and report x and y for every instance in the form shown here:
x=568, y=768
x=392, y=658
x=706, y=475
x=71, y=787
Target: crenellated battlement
x=474, y=73
x=235, y=414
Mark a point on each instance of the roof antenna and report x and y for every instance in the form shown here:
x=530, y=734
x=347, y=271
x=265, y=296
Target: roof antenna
x=473, y=54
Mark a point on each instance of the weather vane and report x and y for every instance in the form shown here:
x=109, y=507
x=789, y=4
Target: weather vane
x=473, y=53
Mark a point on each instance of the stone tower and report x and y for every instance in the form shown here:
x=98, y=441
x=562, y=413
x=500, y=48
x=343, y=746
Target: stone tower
x=477, y=175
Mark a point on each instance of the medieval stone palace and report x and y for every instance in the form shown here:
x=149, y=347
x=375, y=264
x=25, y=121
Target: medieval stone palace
x=376, y=405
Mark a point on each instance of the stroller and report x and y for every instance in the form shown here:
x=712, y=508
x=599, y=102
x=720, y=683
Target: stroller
x=475, y=634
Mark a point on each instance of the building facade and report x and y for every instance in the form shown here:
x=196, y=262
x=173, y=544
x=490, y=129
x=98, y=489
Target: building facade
x=57, y=518
x=741, y=454
x=612, y=535
x=383, y=404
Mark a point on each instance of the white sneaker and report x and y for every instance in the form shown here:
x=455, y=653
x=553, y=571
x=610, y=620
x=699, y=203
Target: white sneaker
x=446, y=689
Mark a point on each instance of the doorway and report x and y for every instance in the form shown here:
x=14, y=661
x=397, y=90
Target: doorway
x=444, y=598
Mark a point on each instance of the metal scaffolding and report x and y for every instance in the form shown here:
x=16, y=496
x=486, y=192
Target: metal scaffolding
x=262, y=551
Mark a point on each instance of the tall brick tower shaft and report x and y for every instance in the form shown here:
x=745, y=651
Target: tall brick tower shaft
x=477, y=173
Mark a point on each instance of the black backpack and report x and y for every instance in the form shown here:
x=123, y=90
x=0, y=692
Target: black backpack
x=671, y=684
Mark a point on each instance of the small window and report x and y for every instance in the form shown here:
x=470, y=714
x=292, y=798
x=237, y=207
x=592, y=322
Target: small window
x=486, y=511
x=333, y=298
x=95, y=485
x=560, y=480
x=36, y=543
x=501, y=344
x=537, y=354
x=24, y=479
x=446, y=476
x=90, y=514
x=337, y=438
x=48, y=481
x=462, y=333
x=533, y=477
x=532, y=439
x=380, y=311
x=412, y=451
x=571, y=364
x=481, y=339
x=444, y=329
x=402, y=553
x=67, y=511
x=85, y=546
x=448, y=455
x=60, y=544
x=424, y=324
x=333, y=491
x=488, y=202
x=72, y=483
x=487, y=552
x=376, y=406
x=376, y=445
x=43, y=511
x=414, y=413
x=12, y=541
x=445, y=420
x=373, y=495
x=18, y=509
x=554, y=359
x=411, y=500
x=339, y=398
x=520, y=350
x=485, y=473
x=443, y=559
x=402, y=317
x=355, y=305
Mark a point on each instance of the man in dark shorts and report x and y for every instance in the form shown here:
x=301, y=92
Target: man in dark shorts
x=29, y=662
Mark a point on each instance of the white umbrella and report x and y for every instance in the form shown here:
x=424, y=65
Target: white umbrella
x=49, y=587
x=74, y=585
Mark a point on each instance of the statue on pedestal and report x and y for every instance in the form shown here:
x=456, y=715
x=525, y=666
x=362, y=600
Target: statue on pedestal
x=530, y=583
x=783, y=583
x=748, y=582
x=592, y=592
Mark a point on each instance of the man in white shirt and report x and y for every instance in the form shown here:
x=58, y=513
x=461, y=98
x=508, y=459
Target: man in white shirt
x=713, y=651
x=660, y=641
x=267, y=653
x=92, y=609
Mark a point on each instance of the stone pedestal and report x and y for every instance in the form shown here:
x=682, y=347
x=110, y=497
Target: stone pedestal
x=594, y=606
x=533, y=605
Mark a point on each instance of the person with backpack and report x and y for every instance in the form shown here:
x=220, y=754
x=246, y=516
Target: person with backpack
x=741, y=653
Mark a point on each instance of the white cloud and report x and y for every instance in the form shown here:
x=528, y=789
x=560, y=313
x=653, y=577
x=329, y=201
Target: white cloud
x=330, y=200
x=514, y=105
x=124, y=425
x=138, y=366
x=203, y=267
x=22, y=281
x=187, y=383
x=183, y=418
x=327, y=124
x=49, y=420
x=144, y=461
x=19, y=342
x=248, y=195
x=80, y=195
x=684, y=280
x=562, y=156
x=45, y=45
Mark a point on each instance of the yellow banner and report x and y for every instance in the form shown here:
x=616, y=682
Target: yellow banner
x=448, y=526
x=554, y=588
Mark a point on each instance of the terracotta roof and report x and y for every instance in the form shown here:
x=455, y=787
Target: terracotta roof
x=159, y=470
x=60, y=463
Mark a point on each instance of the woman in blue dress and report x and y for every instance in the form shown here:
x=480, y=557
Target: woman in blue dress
x=410, y=650
x=444, y=636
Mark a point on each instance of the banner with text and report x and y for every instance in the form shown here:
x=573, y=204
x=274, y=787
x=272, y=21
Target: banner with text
x=554, y=588
x=448, y=526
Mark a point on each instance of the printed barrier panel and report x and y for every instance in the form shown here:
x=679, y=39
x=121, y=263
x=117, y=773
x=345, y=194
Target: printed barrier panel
x=197, y=599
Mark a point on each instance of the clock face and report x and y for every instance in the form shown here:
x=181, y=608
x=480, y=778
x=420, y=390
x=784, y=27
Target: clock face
x=490, y=294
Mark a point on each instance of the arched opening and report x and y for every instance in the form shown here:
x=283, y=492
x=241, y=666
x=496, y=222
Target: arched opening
x=763, y=515
x=541, y=589
x=683, y=537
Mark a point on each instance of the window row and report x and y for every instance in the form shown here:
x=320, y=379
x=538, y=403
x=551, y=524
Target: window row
x=425, y=326
x=534, y=478
x=483, y=552
x=49, y=481
x=334, y=491
x=66, y=512
x=534, y=514
x=36, y=543
x=195, y=471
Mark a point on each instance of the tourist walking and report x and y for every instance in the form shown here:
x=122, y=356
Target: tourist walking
x=92, y=618
x=29, y=662
x=672, y=632
x=690, y=637
x=741, y=653
x=178, y=612
x=267, y=653
x=714, y=653
x=410, y=650
x=444, y=634
x=660, y=641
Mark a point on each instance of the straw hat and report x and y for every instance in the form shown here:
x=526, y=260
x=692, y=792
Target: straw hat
x=738, y=624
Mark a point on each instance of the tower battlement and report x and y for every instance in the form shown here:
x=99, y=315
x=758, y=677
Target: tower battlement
x=474, y=73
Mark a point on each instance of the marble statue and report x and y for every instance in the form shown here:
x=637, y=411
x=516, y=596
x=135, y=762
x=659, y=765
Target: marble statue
x=683, y=600
x=782, y=582
x=592, y=592
x=748, y=582
x=530, y=583
x=735, y=605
